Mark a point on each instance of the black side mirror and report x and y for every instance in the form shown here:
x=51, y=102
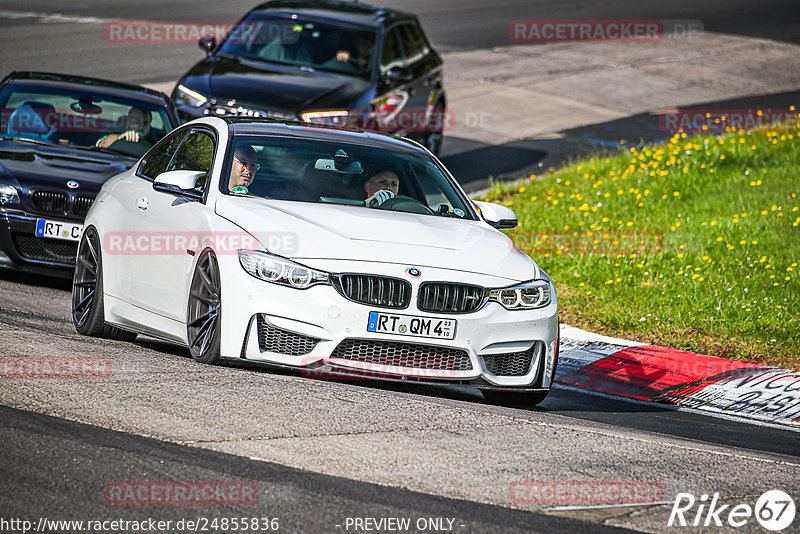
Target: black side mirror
x=207, y=45
x=398, y=75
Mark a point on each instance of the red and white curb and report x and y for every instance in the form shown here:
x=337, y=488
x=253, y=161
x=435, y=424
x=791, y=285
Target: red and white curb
x=648, y=373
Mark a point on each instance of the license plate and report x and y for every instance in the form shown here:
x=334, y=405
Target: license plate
x=409, y=325
x=58, y=230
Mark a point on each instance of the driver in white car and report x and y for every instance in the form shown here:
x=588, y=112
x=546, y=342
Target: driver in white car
x=381, y=187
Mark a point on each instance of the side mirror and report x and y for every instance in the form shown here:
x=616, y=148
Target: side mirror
x=398, y=75
x=207, y=45
x=496, y=215
x=179, y=183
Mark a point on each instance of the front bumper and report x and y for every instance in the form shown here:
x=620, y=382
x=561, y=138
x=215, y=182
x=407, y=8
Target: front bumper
x=323, y=324
x=22, y=251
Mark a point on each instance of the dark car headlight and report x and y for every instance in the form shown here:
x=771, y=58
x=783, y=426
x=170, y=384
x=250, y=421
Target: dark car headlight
x=280, y=270
x=525, y=296
x=187, y=97
x=8, y=195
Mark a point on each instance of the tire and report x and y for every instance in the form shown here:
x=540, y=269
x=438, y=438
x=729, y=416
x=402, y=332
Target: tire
x=514, y=398
x=203, y=313
x=432, y=140
x=87, y=292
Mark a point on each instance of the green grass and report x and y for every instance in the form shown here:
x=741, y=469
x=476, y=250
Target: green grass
x=692, y=244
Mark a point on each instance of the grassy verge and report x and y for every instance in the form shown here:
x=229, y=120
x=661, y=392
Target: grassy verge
x=692, y=244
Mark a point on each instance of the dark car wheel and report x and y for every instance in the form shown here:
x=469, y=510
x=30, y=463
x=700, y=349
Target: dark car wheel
x=203, y=315
x=434, y=133
x=514, y=398
x=87, y=292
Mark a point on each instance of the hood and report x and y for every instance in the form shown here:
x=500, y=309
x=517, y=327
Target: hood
x=307, y=232
x=35, y=165
x=283, y=88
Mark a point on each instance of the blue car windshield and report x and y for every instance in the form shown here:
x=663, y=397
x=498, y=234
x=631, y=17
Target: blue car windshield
x=80, y=118
x=333, y=172
x=318, y=45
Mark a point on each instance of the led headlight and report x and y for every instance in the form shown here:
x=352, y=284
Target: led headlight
x=280, y=270
x=8, y=195
x=336, y=118
x=525, y=296
x=186, y=97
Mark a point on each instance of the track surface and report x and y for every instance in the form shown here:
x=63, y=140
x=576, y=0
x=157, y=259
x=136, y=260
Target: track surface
x=446, y=447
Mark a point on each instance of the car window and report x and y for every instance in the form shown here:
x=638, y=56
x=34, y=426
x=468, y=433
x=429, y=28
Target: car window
x=331, y=172
x=156, y=160
x=194, y=154
x=392, y=55
x=414, y=43
x=328, y=46
x=79, y=117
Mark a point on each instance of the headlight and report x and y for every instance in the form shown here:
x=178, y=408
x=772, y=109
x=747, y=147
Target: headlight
x=186, y=97
x=336, y=118
x=8, y=195
x=280, y=271
x=525, y=296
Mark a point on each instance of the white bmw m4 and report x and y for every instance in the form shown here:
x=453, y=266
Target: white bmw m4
x=336, y=252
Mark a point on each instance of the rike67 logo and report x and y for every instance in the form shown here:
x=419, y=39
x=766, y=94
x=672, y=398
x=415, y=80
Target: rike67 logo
x=774, y=510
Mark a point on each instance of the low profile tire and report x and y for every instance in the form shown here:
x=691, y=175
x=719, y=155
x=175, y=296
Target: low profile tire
x=87, y=292
x=204, y=312
x=514, y=398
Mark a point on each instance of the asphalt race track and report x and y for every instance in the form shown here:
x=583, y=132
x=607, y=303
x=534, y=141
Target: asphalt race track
x=322, y=452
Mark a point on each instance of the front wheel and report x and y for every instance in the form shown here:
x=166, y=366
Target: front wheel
x=514, y=398
x=203, y=314
x=87, y=292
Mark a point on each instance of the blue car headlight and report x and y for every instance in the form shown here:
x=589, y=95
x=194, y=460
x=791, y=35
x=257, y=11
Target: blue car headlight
x=281, y=271
x=525, y=296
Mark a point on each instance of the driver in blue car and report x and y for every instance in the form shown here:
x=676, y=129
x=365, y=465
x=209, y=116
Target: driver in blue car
x=381, y=187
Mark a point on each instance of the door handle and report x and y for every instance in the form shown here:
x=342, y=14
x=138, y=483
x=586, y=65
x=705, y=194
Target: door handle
x=142, y=203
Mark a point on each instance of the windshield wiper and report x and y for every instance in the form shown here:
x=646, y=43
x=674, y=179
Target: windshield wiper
x=27, y=140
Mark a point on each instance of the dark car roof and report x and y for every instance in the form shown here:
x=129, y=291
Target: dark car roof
x=247, y=126
x=347, y=12
x=47, y=79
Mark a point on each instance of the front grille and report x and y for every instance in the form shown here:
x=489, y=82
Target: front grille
x=512, y=363
x=81, y=205
x=403, y=355
x=373, y=290
x=45, y=249
x=50, y=202
x=273, y=339
x=444, y=297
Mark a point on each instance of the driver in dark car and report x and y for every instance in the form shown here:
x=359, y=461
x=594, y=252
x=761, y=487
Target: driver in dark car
x=381, y=187
x=137, y=130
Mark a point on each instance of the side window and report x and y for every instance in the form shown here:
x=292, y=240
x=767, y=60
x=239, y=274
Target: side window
x=392, y=55
x=157, y=159
x=414, y=43
x=195, y=154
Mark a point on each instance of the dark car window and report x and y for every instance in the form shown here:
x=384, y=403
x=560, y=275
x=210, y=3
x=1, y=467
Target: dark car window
x=324, y=46
x=78, y=117
x=158, y=158
x=414, y=43
x=392, y=55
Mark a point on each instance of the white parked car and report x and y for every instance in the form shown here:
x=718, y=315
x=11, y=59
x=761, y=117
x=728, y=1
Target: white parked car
x=336, y=252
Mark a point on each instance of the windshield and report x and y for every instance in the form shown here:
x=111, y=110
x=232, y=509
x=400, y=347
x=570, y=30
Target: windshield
x=80, y=118
x=318, y=45
x=341, y=173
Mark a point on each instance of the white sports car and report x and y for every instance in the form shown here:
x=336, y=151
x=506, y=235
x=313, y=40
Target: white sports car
x=333, y=251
